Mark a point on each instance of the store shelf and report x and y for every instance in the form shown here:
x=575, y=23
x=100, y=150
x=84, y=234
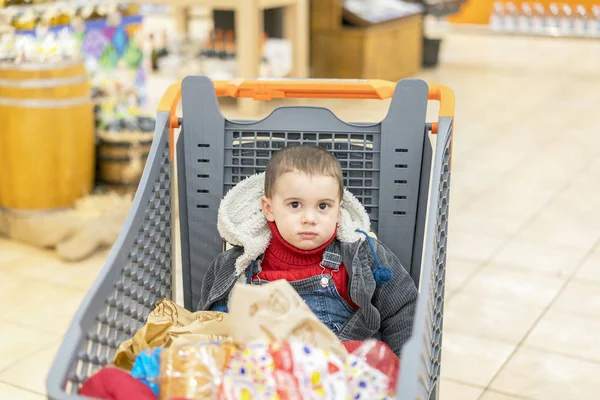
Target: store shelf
x=477, y=29
x=248, y=27
x=14, y=10
x=223, y=4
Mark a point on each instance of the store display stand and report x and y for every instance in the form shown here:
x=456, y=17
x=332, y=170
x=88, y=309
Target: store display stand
x=376, y=43
x=248, y=16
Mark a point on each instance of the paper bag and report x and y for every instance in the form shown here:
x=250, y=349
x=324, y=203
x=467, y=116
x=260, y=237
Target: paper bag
x=170, y=324
x=276, y=312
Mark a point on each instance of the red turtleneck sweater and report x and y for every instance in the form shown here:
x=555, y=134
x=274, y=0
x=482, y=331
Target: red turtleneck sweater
x=284, y=261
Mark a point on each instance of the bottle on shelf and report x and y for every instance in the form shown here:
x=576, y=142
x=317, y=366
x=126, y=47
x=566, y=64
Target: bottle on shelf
x=566, y=20
x=25, y=21
x=525, y=18
x=208, y=48
x=580, y=21
x=154, y=53
x=64, y=17
x=219, y=44
x=163, y=49
x=594, y=24
x=48, y=19
x=553, y=19
x=538, y=19
x=230, y=48
x=511, y=17
x=497, y=17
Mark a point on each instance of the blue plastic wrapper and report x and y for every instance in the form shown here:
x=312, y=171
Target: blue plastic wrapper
x=146, y=368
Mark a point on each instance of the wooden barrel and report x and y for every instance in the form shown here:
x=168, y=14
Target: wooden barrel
x=121, y=159
x=47, y=143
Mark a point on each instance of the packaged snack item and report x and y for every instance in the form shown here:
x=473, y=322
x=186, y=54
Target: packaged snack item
x=283, y=371
x=146, y=368
x=378, y=355
x=366, y=382
x=320, y=373
x=372, y=371
x=193, y=371
x=250, y=374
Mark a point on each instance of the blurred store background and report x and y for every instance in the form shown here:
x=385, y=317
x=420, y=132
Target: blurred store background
x=80, y=82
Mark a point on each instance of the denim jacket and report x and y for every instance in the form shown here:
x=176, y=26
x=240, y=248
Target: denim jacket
x=385, y=312
x=384, y=292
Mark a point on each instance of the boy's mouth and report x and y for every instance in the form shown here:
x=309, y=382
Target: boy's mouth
x=307, y=235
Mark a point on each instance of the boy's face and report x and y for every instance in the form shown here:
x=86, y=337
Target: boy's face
x=305, y=208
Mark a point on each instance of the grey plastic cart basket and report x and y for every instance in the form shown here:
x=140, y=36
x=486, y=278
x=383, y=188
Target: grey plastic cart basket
x=391, y=166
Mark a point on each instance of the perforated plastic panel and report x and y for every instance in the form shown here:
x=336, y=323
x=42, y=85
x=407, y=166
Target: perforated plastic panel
x=438, y=272
x=435, y=310
x=146, y=279
x=248, y=152
x=134, y=279
x=422, y=356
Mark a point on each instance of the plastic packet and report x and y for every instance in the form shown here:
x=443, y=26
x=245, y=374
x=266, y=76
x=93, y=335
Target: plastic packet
x=146, y=368
x=193, y=371
x=283, y=371
x=373, y=371
x=277, y=370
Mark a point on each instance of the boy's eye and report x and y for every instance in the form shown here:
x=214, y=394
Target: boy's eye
x=294, y=204
x=323, y=206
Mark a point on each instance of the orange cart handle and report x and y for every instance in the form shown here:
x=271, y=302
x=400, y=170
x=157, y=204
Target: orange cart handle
x=267, y=89
x=168, y=103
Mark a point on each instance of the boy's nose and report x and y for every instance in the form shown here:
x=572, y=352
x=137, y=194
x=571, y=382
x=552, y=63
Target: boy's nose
x=308, y=218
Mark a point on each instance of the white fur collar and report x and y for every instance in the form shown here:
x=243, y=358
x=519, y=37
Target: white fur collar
x=241, y=221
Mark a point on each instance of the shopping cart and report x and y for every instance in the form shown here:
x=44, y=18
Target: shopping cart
x=397, y=169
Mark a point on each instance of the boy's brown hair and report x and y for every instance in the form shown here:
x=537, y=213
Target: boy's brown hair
x=309, y=159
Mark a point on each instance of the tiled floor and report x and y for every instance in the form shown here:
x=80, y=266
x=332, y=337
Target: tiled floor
x=523, y=286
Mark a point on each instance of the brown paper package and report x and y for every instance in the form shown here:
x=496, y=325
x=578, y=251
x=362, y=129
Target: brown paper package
x=191, y=364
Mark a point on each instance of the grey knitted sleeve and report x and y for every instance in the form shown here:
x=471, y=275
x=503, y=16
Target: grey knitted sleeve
x=396, y=301
x=208, y=282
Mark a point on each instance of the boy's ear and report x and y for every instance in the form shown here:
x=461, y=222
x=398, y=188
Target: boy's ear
x=265, y=203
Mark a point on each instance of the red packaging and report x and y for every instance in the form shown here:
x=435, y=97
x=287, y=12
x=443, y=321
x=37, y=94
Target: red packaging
x=378, y=355
x=283, y=371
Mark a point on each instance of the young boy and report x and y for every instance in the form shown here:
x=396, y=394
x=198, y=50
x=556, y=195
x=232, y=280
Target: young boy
x=296, y=222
